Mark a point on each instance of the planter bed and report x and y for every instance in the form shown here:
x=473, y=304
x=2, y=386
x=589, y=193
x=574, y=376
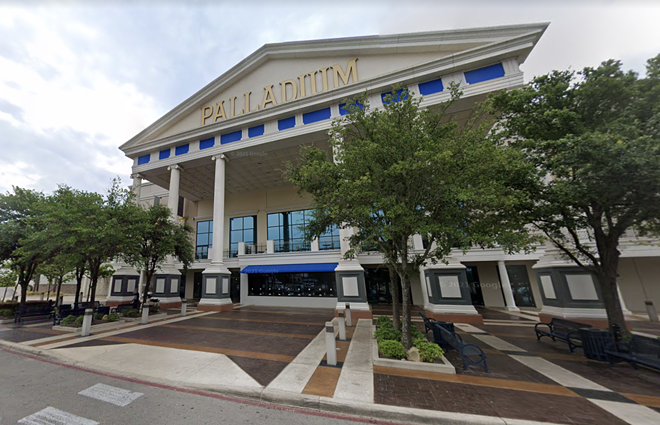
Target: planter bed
x=100, y=327
x=444, y=367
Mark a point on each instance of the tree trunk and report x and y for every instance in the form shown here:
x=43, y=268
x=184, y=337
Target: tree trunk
x=24, y=288
x=78, y=286
x=406, y=338
x=607, y=276
x=396, y=303
x=147, y=281
x=59, y=287
x=92, y=289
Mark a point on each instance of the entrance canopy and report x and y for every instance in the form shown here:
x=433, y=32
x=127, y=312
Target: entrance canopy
x=292, y=268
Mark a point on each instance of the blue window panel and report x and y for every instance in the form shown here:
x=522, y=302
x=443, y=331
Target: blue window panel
x=256, y=131
x=396, y=99
x=343, y=111
x=430, y=87
x=144, y=159
x=286, y=123
x=315, y=116
x=164, y=154
x=231, y=137
x=180, y=150
x=484, y=74
x=206, y=143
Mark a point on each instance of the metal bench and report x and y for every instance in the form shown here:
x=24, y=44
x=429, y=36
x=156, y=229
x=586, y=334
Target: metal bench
x=33, y=311
x=427, y=323
x=135, y=305
x=563, y=330
x=471, y=354
x=640, y=350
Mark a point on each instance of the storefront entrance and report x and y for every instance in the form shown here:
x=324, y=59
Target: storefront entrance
x=197, y=285
x=475, y=285
x=520, y=285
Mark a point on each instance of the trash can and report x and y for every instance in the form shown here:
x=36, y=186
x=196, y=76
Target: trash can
x=437, y=335
x=594, y=343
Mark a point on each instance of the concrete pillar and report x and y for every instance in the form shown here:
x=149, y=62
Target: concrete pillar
x=145, y=315
x=418, y=242
x=315, y=244
x=137, y=186
x=506, y=287
x=330, y=344
x=173, y=196
x=342, y=326
x=349, y=318
x=241, y=248
x=216, y=278
x=184, y=307
x=624, y=308
x=87, y=323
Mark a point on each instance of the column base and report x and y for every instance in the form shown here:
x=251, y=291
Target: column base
x=454, y=313
x=115, y=300
x=358, y=310
x=169, y=302
x=215, y=304
x=596, y=317
x=514, y=309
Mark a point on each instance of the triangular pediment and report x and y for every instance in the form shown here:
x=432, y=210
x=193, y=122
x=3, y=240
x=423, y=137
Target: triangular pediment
x=283, y=73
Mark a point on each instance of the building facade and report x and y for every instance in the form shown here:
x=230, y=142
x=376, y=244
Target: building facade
x=216, y=161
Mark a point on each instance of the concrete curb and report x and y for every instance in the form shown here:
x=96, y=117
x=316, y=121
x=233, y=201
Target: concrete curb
x=309, y=402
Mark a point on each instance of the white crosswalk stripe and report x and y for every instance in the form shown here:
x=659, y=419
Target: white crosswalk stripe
x=113, y=395
x=53, y=416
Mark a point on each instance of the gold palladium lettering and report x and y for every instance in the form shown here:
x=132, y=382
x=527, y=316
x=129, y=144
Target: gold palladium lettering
x=269, y=97
x=220, y=111
x=313, y=81
x=298, y=90
x=351, y=69
x=205, y=115
x=324, y=78
x=301, y=80
x=294, y=90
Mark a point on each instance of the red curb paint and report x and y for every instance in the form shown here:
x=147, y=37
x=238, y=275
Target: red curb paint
x=209, y=394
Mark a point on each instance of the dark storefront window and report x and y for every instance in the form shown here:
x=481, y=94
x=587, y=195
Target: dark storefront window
x=292, y=284
x=204, y=239
x=330, y=239
x=242, y=229
x=286, y=229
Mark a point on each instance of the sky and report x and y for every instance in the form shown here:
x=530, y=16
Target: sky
x=78, y=79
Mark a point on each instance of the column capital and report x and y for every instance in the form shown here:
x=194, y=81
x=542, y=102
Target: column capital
x=174, y=167
x=220, y=156
x=137, y=176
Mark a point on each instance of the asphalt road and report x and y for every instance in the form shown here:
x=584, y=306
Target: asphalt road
x=37, y=392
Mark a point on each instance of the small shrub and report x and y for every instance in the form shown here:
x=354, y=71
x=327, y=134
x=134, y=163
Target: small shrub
x=153, y=309
x=130, y=313
x=393, y=349
x=387, y=334
x=382, y=320
x=79, y=320
x=99, y=316
x=68, y=320
x=113, y=317
x=6, y=312
x=416, y=333
x=429, y=351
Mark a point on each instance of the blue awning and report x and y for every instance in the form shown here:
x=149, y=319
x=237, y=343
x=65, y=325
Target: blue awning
x=292, y=268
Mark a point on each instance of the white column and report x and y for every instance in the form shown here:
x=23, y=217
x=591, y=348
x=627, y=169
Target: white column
x=217, y=262
x=137, y=186
x=506, y=287
x=173, y=196
x=624, y=308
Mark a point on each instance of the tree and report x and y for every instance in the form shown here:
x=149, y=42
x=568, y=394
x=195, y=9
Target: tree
x=56, y=270
x=402, y=170
x=595, y=137
x=7, y=279
x=152, y=236
x=18, y=213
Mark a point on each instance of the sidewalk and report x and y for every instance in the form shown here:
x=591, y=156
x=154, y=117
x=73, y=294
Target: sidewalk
x=277, y=355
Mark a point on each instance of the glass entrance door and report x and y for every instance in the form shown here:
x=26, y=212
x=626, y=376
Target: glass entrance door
x=197, y=285
x=475, y=285
x=522, y=289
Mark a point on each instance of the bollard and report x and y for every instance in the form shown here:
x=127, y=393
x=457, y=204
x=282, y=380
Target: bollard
x=145, y=315
x=651, y=311
x=342, y=326
x=330, y=344
x=42, y=297
x=349, y=320
x=184, y=308
x=87, y=323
